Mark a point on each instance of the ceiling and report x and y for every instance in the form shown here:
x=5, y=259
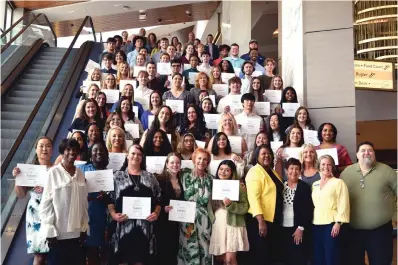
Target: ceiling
x=170, y=15
x=33, y=5
x=97, y=8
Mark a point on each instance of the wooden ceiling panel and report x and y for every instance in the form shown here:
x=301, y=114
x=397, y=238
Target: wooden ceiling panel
x=33, y=5
x=168, y=15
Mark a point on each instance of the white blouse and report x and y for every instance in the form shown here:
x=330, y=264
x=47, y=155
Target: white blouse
x=64, y=206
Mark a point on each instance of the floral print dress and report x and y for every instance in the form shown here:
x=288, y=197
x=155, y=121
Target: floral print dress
x=195, y=238
x=36, y=243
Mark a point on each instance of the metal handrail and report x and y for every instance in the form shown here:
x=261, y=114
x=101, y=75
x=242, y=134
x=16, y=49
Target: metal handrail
x=27, y=26
x=25, y=128
x=16, y=23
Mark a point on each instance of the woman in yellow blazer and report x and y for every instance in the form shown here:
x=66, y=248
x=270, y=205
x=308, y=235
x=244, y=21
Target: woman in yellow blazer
x=332, y=209
x=265, y=194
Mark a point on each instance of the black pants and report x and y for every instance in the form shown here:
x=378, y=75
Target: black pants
x=378, y=244
x=67, y=252
x=293, y=254
x=263, y=250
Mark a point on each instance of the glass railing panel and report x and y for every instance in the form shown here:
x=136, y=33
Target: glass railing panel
x=10, y=33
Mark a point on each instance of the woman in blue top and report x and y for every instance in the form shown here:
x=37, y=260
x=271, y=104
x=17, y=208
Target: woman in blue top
x=155, y=102
x=98, y=158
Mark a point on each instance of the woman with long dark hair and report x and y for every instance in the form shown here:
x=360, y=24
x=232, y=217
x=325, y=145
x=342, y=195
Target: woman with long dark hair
x=101, y=101
x=89, y=113
x=194, y=122
x=157, y=143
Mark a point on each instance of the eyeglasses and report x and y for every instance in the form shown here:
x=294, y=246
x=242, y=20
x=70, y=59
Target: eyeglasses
x=188, y=141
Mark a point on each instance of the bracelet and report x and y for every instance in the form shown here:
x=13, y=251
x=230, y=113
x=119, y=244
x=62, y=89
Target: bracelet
x=111, y=207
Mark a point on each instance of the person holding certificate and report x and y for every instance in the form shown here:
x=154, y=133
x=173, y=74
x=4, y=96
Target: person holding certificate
x=257, y=89
x=116, y=141
x=164, y=120
x=123, y=72
x=194, y=122
x=327, y=134
x=63, y=209
x=89, y=113
x=332, y=209
x=221, y=150
x=177, y=92
x=309, y=161
x=157, y=143
x=276, y=131
x=227, y=125
x=98, y=158
x=155, y=102
x=142, y=90
x=193, y=61
x=260, y=139
x=37, y=245
x=302, y=118
x=298, y=212
x=294, y=139
x=167, y=232
x=265, y=194
x=229, y=233
x=109, y=82
x=125, y=110
x=128, y=92
x=187, y=146
x=81, y=139
x=101, y=101
x=289, y=95
x=114, y=120
x=231, y=102
x=134, y=240
x=197, y=186
x=215, y=76
x=202, y=83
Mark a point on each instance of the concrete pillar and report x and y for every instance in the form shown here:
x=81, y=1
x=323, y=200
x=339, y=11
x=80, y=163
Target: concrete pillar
x=236, y=23
x=318, y=61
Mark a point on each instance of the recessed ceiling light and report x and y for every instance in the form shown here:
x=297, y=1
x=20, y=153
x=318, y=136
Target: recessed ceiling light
x=72, y=11
x=142, y=17
x=118, y=5
x=142, y=11
x=125, y=7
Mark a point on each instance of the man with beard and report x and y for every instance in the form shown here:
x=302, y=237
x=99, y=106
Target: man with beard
x=373, y=188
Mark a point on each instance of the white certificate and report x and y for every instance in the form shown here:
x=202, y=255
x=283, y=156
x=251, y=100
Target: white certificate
x=31, y=175
x=87, y=84
x=275, y=145
x=235, y=101
x=200, y=144
x=182, y=211
x=99, y=180
x=213, y=99
x=79, y=162
x=213, y=166
x=225, y=189
x=291, y=152
x=236, y=144
x=289, y=109
x=187, y=66
x=212, y=120
x=74, y=130
x=135, y=110
x=155, y=164
x=329, y=151
x=237, y=71
x=221, y=89
x=169, y=137
x=226, y=76
x=143, y=101
x=129, y=143
x=250, y=125
x=256, y=73
x=164, y=68
x=151, y=118
x=137, y=69
x=91, y=65
x=187, y=164
x=137, y=207
x=176, y=105
x=112, y=95
x=123, y=83
x=311, y=137
x=262, y=108
x=273, y=96
x=133, y=129
x=116, y=160
x=192, y=77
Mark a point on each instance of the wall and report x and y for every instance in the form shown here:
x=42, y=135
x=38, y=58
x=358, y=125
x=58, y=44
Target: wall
x=375, y=105
x=236, y=23
x=18, y=13
x=212, y=25
x=262, y=31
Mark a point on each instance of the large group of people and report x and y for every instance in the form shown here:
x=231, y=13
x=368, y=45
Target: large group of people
x=298, y=203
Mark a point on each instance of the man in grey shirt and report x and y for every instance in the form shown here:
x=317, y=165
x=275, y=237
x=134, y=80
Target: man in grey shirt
x=372, y=187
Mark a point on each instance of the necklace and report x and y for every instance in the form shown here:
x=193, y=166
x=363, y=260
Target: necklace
x=136, y=188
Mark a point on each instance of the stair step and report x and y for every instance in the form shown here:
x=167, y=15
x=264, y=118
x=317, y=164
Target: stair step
x=11, y=133
x=22, y=93
x=12, y=124
x=27, y=87
x=17, y=108
x=7, y=144
x=21, y=101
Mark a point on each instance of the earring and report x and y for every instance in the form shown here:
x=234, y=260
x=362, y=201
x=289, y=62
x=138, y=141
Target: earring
x=109, y=145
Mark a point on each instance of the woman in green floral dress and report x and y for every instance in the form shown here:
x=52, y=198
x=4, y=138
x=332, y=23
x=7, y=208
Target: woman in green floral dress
x=195, y=238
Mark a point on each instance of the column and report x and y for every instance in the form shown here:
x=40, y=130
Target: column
x=236, y=23
x=318, y=61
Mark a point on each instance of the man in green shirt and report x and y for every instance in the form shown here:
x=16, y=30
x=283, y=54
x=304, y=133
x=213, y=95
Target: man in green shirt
x=373, y=189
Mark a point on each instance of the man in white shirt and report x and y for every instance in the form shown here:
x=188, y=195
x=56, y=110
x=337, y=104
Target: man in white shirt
x=142, y=92
x=248, y=118
x=64, y=208
x=171, y=50
x=231, y=102
x=247, y=71
x=205, y=65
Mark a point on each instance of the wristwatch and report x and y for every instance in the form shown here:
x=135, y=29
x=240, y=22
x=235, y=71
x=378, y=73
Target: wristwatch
x=300, y=228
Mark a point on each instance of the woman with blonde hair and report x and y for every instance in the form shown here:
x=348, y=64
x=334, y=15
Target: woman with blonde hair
x=123, y=72
x=187, y=146
x=228, y=125
x=128, y=91
x=215, y=76
x=93, y=76
x=276, y=83
x=309, y=161
x=116, y=140
x=109, y=82
x=202, y=82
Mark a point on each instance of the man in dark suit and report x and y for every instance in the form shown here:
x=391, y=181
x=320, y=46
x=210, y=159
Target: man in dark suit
x=212, y=48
